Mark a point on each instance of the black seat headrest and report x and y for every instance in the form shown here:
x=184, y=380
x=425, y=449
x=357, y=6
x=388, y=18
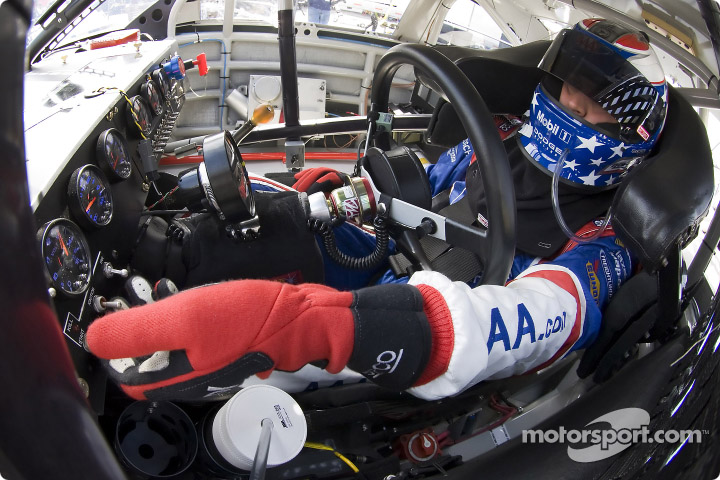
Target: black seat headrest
x=663, y=200
x=505, y=78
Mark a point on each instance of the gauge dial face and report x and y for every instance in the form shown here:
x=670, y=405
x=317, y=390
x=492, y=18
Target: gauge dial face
x=66, y=255
x=139, y=115
x=152, y=96
x=112, y=154
x=89, y=197
x=239, y=174
x=163, y=82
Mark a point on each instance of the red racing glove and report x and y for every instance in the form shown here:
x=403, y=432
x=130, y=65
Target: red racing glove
x=318, y=179
x=206, y=340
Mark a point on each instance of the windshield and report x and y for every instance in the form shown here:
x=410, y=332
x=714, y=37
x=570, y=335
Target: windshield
x=108, y=16
x=467, y=24
x=380, y=17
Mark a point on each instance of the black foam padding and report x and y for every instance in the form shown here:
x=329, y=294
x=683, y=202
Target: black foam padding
x=663, y=200
x=286, y=178
x=632, y=300
x=399, y=174
x=392, y=335
x=505, y=79
x=149, y=255
x=455, y=263
x=286, y=249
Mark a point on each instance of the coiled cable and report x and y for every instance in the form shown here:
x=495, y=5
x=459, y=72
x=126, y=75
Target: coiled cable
x=368, y=262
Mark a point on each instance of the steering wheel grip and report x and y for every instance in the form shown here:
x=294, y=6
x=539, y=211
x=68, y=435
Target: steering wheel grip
x=498, y=246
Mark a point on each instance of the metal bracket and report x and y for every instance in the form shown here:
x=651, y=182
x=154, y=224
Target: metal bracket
x=294, y=154
x=244, y=231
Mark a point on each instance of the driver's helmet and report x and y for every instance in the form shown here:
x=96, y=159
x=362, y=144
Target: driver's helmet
x=615, y=67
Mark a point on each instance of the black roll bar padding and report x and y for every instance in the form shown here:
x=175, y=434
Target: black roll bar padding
x=46, y=427
x=489, y=150
x=288, y=67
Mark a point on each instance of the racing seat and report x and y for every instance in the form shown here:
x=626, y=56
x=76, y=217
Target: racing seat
x=656, y=210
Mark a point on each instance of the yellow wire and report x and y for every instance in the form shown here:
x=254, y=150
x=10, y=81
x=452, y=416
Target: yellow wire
x=320, y=446
x=132, y=112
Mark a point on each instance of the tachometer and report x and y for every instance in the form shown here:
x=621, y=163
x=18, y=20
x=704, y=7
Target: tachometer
x=89, y=197
x=66, y=255
x=113, y=155
x=149, y=92
x=139, y=116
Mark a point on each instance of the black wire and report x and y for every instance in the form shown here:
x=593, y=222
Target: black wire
x=368, y=262
x=356, y=171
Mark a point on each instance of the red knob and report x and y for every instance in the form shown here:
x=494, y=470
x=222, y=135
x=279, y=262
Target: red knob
x=201, y=62
x=422, y=447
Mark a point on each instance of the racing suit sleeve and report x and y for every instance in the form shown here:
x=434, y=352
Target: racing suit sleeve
x=450, y=167
x=547, y=311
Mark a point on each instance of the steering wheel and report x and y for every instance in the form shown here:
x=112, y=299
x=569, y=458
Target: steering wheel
x=495, y=246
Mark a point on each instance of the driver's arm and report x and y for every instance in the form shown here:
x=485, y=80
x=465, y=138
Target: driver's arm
x=434, y=337
x=543, y=314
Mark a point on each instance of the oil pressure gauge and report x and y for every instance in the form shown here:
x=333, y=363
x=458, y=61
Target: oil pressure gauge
x=89, y=197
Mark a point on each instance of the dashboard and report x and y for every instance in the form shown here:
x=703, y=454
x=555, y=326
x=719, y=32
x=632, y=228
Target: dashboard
x=96, y=123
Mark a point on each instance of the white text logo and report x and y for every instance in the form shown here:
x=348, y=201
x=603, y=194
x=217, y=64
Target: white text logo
x=628, y=426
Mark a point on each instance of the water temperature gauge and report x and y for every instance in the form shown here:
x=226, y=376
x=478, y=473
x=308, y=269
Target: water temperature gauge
x=66, y=256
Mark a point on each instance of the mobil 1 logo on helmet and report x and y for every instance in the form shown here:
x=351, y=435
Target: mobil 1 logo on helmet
x=553, y=128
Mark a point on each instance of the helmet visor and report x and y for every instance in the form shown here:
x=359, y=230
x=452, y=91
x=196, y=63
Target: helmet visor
x=608, y=78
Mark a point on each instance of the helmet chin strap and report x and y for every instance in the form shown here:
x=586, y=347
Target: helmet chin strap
x=556, y=206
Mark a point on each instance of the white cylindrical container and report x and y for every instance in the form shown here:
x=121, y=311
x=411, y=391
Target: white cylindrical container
x=236, y=427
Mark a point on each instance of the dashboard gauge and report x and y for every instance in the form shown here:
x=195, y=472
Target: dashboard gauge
x=224, y=175
x=113, y=154
x=89, y=197
x=66, y=255
x=139, y=116
x=150, y=93
x=163, y=82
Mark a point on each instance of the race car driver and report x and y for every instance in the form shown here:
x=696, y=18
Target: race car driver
x=598, y=111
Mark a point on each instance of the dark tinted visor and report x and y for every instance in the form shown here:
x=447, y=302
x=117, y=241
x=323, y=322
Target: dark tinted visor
x=605, y=76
